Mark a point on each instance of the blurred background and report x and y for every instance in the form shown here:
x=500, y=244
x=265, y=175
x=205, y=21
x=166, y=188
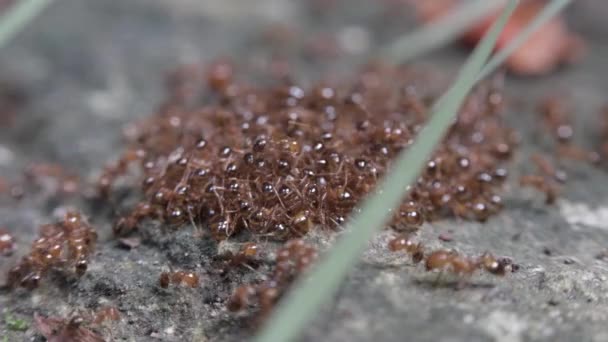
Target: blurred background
x=72, y=79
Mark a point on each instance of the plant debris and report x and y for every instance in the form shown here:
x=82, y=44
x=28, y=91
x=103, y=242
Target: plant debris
x=15, y=324
x=73, y=329
x=551, y=46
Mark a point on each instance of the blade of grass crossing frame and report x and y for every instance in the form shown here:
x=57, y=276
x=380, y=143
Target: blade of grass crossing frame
x=18, y=16
x=438, y=33
x=550, y=11
x=304, y=301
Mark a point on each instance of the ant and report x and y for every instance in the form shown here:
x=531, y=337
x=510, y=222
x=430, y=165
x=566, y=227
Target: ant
x=113, y=171
x=402, y=243
x=7, y=242
x=547, y=168
x=246, y=256
x=176, y=278
x=578, y=153
x=220, y=75
x=449, y=260
x=65, y=183
x=556, y=116
x=241, y=298
x=541, y=184
x=547, y=181
x=127, y=224
x=462, y=265
x=247, y=252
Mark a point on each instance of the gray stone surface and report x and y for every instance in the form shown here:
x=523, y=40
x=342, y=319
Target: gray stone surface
x=91, y=66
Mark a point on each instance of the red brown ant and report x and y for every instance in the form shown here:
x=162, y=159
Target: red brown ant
x=542, y=184
x=448, y=260
x=247, y=253
x=556, y=115
x=7, y=242
x=65, y=182
x=458, y=264
x=241, y=298
x=402, y=243
x=547, y=168
x=176, y=278
x=578, y=154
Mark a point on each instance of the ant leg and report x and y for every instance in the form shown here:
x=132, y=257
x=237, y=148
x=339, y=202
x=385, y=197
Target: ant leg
x=438, y=278
x=462, y=283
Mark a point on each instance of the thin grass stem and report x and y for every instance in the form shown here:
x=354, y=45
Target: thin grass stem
x=18, y=17
x=436, y=34
x=551, y=10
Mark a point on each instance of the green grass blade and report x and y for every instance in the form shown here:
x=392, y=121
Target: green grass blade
x=550, y=10
x=304, y=301
x=438, y=33
x=18, y=16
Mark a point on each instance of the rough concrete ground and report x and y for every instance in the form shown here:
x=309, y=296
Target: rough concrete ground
x=90, y=66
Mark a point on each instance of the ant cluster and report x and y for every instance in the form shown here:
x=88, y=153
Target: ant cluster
x=7, y=242
x=293, y=258
x=177, y=278
x=63, y=245
x=276, y=161
x=246, y=256
x=449, y=260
